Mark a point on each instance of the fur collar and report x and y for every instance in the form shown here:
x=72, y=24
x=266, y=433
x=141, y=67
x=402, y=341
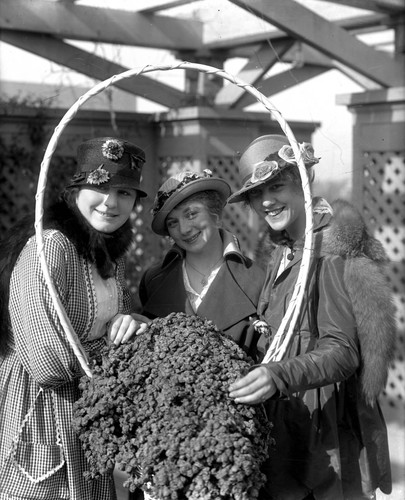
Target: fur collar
x=347, y=235
x=369, y=291
x=100, y=248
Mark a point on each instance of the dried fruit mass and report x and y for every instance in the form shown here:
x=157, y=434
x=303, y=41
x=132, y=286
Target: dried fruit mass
x=159, y=408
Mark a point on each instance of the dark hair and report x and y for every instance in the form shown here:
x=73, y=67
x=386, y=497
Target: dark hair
x=69, y=195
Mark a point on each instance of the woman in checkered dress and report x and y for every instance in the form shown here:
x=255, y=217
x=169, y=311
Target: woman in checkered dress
x=85, y=238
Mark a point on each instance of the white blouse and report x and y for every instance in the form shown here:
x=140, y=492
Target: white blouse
x=107, y=303
x=230, y=245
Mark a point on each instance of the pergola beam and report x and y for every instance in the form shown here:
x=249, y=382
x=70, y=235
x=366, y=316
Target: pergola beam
x=367, y=22
x=312, y=29
x=164, y=6
x=78, y=22
x=386, y=6
x=254, y=70
x=93, y=66
x=282, y=81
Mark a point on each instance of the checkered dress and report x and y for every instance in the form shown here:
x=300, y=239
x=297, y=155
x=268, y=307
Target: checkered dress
x=40, y=456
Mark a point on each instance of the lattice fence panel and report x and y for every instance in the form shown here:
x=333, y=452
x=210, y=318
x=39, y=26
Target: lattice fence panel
x=237, y=218
x=384, y=209
x=17, y=191
x=18, y=187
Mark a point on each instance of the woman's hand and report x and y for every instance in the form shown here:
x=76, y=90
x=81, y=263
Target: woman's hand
x=124, y=326
x=253, y=388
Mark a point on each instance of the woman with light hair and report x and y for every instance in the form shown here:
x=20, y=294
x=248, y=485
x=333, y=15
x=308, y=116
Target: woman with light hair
x=322, y=395
x=205, y=272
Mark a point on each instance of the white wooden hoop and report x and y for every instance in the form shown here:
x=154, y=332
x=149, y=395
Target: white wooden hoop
x=276, y=352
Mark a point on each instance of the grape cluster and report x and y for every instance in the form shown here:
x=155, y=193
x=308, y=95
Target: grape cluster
x=159, y=408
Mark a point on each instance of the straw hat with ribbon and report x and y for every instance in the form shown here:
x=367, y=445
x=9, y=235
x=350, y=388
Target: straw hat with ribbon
x=179, y=187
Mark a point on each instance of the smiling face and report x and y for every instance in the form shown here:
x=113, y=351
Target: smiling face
x=281, y=203
x=192, y=226
x=106, y=209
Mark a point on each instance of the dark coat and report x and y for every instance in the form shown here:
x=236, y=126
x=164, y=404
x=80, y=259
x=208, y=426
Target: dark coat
x=330, y=435
x=230, y=301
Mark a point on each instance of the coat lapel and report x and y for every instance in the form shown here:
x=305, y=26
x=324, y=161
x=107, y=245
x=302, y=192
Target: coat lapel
x=226, y=303
x=168, y=294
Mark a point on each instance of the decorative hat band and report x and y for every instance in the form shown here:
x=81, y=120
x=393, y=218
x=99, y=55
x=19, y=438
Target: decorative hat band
x=166, y=191
x=278, y=161
x=107, y=161
x=113, y=151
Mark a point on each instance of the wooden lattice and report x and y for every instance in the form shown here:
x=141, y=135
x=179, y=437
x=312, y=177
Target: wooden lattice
x=238, y=219
x=383, y=207
x=17, y=190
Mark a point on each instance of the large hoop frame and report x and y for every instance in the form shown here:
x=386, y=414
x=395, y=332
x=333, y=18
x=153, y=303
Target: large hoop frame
x=278, y=348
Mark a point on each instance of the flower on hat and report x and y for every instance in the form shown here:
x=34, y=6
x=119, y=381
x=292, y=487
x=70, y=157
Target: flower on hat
x=307, y=153
x=112, y=149
x=275, y=162
x=98, y=176
x=286, y=153
x=263, y=170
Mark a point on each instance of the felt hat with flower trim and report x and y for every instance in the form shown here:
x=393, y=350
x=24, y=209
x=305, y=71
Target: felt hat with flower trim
x=179, y=187
x=266, y=157
x=109, y=162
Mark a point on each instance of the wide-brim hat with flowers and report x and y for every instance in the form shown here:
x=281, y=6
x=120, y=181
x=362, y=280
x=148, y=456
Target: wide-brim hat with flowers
x=266, y=157
x=178, y=188
x=109, y=162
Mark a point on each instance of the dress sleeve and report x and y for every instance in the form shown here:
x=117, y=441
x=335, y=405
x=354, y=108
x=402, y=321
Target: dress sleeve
x=335, y=355
x=40, y=342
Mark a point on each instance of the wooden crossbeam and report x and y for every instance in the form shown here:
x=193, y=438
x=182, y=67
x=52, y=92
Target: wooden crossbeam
x=80, y=22
x=93, y=66
x=312, y=29
x=388, y=6
x=372, y=22
x=361, y=80
x=164, y=6
x=253, y=71
x=282, y=81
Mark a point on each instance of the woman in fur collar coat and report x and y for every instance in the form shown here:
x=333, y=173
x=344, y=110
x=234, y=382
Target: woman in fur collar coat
x=322, y=396
x=85, y=238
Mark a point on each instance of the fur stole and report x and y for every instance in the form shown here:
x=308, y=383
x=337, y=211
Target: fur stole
x=99, y=248
x=369, y=292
